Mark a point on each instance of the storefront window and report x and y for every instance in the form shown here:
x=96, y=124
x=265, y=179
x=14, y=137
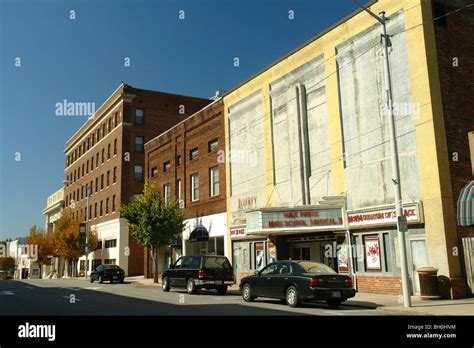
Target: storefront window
x=387, y=252
x=259, y=256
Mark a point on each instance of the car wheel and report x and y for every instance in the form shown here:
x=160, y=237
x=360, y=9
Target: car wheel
x=222, y=290
x=190, y=286
x=92, y=280
x=292, y=297
x=166, y=284
x=121, y=280
x=247, y=293
x=333, y=303
x=101, y=280
x=111, y=281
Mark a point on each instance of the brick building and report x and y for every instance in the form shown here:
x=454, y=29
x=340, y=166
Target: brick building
x=184, y=164
x=107, y=154
x=455, y=53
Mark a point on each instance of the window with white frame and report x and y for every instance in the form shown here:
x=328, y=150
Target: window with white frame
x=167, y=193
x=194, y=187
x=214, y=181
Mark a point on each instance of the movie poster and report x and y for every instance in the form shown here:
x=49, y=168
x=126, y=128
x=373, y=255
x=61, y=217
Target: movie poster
x=372, y=253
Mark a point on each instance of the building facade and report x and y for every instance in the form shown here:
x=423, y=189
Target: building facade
x=53, y=210
x=107, y=154
x=308, y=150
x=187, y=163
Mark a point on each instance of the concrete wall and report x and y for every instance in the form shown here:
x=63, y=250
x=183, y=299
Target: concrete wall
x=366, y=137
x=246, y=154
x=297, y=98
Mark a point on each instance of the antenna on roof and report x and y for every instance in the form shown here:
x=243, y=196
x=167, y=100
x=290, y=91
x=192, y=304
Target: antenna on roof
x=218, y=94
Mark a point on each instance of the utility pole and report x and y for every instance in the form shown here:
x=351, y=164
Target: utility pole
x=401, y=220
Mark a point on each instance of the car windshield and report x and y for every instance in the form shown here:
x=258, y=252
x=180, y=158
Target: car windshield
x=216, y=262
x=111, y=267
x=316, y=268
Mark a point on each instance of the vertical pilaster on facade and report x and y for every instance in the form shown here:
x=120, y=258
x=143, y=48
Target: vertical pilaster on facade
x=334, y=121
x=268, y=145
x=435, y=177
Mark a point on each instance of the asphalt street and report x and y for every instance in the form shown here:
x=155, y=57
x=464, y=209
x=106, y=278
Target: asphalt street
x=79, y=297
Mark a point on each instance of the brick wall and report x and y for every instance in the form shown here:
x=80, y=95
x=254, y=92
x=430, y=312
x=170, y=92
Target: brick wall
x=379, y=284
x=455, y=47
x=195, y=132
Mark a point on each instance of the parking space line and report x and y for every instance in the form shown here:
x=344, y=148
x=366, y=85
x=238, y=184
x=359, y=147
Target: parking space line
x=29, y=287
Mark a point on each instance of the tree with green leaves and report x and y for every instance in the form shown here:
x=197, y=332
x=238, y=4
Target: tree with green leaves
x=152, y=222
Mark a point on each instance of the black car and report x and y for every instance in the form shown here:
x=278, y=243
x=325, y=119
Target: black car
x=296, y=282
x=109, y=273
x=199, y=272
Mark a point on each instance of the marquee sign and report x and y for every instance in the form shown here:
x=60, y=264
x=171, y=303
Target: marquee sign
x=294, y=220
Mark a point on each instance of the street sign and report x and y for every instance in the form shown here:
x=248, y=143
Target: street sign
x=82, y=229
x=402, y=223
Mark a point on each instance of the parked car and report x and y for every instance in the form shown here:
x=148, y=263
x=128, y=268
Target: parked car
x=199, y=272
x=109, y=273
x=298, y=281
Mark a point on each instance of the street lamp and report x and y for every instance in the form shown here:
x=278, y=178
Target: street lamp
x=86, y=186
x=401, y=219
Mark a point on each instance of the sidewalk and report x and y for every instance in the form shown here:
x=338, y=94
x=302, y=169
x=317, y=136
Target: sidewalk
x=419, y=306
x=378, y=301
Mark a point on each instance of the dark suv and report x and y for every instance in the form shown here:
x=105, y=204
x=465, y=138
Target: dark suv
x=199, y=272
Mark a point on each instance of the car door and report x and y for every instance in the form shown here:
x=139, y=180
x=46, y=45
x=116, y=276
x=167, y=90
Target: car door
x=279, y=280
x=182, y=272
x=173, y=272
x=264, y=280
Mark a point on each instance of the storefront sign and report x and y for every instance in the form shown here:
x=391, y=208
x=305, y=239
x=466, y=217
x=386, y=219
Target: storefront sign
x=383, y=216
x=237, y=232
x=309, y=219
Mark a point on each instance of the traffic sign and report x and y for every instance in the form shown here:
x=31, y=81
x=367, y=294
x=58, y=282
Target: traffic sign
x=402, y=224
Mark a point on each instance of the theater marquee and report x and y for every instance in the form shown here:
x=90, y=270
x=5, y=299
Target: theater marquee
x=297, y=220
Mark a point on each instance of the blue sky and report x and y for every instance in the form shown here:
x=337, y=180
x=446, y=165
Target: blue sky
x=82, y=60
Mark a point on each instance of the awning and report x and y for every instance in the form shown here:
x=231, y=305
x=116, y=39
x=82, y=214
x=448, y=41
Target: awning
x=465, y=205
x=199, y=234
x=176, y=243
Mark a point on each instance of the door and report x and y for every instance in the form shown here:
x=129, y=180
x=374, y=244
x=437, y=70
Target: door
x=264, y=282
x=183, y=272
x=280, y=279
x=301, y=253
x=419, y=259
x=238, y=261
x=174, y=271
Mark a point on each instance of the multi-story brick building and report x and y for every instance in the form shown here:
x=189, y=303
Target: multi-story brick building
x=187, y=163
x=107, y=154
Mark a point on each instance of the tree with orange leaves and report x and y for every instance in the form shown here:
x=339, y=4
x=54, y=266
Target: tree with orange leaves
x=67, y=241
x=44, y=244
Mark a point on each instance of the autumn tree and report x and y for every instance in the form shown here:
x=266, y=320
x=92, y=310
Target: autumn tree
x=44, y=244
x=153, y=222
x=67, y=241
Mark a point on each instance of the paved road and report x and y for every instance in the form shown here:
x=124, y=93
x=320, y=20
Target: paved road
x=79, y=297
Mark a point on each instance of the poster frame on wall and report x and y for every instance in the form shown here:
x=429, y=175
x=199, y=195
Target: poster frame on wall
x=370, y=242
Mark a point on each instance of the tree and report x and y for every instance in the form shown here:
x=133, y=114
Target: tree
x=67, y=241
x=152, y=222
x=44, y=242
x=7, y=266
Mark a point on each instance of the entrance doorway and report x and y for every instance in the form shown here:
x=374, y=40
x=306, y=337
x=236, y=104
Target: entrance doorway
x=419, y=259
x=301, y=253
